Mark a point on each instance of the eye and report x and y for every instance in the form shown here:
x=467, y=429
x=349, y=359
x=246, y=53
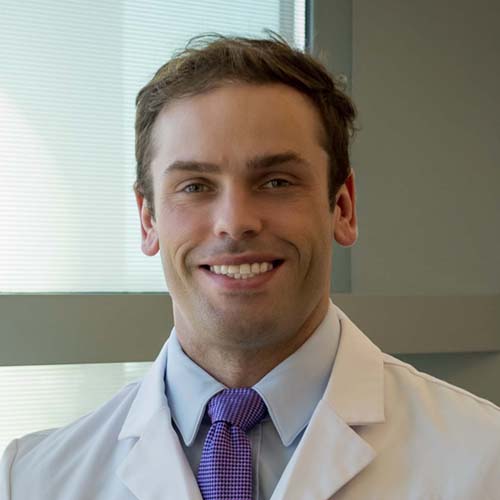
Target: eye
x=277, y=183
x=195, y=187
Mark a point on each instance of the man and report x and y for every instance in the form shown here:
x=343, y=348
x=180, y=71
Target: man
x=265, y=389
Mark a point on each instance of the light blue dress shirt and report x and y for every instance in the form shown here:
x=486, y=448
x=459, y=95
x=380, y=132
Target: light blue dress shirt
x=290, y=391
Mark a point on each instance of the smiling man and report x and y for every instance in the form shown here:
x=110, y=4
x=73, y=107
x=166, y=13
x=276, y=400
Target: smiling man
x=243, y=224
x=265, y=389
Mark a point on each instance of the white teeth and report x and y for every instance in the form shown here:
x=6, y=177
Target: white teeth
x=243, y=271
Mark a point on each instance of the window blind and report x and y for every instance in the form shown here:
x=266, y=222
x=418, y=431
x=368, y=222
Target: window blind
x=69, y=75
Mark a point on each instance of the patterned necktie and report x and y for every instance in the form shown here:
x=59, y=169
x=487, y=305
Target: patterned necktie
x=225, y=471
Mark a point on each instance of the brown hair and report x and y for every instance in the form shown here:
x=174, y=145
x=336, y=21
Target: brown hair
x=210, y=61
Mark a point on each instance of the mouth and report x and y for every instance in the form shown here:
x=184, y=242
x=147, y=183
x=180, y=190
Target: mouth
x=243, y=271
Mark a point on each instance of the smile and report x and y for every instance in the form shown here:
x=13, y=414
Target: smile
x=244, y=271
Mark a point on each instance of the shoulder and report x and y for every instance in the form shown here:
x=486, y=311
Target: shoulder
x=105, y=419
x=41, y=454
x=401, y=377
x=437, y=431
x=430, y=414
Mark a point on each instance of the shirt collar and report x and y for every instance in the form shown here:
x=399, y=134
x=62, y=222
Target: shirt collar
x=188, y=388
x=291, y=390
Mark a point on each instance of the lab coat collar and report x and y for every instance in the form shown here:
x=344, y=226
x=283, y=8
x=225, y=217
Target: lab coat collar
x=328, y=456
x=149, y=400
x=330, y=452
x=356, y=387
x=156, y=466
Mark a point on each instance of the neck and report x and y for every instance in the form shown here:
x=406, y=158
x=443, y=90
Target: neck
x=236, y=367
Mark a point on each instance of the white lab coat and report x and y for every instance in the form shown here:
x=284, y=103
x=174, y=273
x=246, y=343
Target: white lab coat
x=381, y=431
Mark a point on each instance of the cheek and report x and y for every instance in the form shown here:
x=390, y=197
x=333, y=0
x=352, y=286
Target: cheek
x=317, y=238
x=180, y=230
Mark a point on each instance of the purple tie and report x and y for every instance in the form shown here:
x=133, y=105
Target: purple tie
x=225, y=471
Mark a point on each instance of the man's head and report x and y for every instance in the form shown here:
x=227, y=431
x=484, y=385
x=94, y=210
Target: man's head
x=211, y=61
x=237, y=142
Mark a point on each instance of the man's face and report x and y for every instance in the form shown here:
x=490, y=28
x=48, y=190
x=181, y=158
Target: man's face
x=240, y=179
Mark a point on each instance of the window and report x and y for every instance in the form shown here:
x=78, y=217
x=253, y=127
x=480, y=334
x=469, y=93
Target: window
x=70, y=74
x=68, y=220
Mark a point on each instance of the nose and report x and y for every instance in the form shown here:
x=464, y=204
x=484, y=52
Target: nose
x=237, y=215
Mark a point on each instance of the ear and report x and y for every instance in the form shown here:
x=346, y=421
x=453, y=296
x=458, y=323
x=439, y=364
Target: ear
x=345, y=220
x=150, y=244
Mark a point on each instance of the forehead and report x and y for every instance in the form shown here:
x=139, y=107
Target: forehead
x=237, y=120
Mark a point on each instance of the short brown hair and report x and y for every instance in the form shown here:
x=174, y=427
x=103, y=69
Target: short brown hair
x=209, y=61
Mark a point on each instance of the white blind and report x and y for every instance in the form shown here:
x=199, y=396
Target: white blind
x=69, y=74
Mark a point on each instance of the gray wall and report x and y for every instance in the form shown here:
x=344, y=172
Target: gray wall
x=425, y=78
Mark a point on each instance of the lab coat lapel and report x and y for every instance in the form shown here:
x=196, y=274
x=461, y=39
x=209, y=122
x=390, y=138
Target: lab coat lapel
x=155, y=466
x=328, y=456
x=331, y=453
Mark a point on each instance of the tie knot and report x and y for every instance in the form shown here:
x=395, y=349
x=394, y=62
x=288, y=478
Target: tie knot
x=241, y=407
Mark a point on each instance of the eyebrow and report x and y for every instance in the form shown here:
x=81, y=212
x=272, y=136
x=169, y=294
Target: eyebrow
x=259, y=162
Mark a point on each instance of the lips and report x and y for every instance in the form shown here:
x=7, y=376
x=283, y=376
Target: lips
x=239, y=277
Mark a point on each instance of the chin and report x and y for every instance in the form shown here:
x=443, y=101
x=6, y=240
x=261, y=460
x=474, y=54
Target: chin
x=251, y=332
